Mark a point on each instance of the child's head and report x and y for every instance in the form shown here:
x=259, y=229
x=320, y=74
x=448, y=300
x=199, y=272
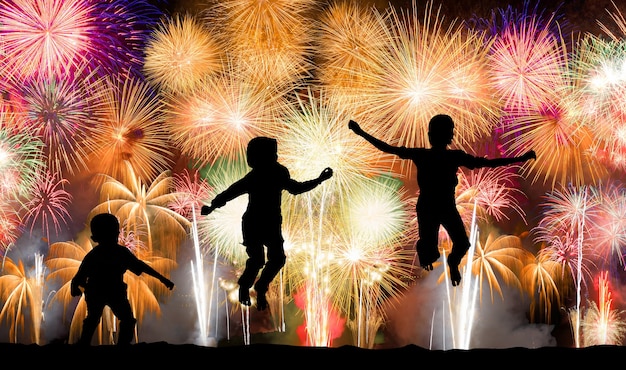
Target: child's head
x=105, y=228
x=440, y=130
x=262, y=151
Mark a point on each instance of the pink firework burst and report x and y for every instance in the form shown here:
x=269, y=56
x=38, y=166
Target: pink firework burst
x=48, y=205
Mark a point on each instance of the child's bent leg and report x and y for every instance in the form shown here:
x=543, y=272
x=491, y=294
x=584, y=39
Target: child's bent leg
x=256, y=260
x=275, y=261
x=427, y=246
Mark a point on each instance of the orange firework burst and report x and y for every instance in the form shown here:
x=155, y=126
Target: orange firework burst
x=270, y=39
x=181, y=52
x=499, y=256
x=129, y=128
x=540, y=279
x=19, y=292
x=220, y=117
x=352, y=40
x=145, y=205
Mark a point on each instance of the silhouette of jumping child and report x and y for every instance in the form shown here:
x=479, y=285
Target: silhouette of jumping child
x=101, y=275
x=437, y=169
x=262, y=221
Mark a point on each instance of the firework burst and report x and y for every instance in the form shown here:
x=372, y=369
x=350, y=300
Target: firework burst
x=129, y=127
x=48, y=205
x=430, y=69
x=46, y=36
x=220, y=117
x=193, y=191
x=145, y=205
x=492, y=190
x=57, y=109
x=351, y=41
x=21, y=161
x=181, y=53
x=220, y=232
x=22, y=295
x=499, y=255
x=525, y=62
x=602, y=325
x=316, y=136
x=540, y=280
x=271, y=39
x=609, y=232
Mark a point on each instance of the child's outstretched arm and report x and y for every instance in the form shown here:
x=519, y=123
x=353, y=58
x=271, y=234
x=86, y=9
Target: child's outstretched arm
x=236, y=189
x=498, y=162
x=379, y=144
x=296, y=187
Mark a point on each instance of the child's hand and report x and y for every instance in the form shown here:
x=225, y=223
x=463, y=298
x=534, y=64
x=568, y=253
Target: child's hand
x=326, y=174
x=352, y=125
x=205, y=210
x=75, y=290
x=530, y=155
x=168, y=283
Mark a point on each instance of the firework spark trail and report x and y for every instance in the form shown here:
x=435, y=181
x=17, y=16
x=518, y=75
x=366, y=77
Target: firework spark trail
x=569, y=211
x=462, y=311
x=602, y=325
x=198, y=277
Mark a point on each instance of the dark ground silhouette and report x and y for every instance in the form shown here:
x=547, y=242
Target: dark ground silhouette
x=161, y=355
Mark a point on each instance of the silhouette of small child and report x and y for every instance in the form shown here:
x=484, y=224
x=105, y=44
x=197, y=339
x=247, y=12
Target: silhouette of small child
x=101, y=275
x=437, y=169
x=262, y=220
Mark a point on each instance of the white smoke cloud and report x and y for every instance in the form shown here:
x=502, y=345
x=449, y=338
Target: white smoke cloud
x=422, y=318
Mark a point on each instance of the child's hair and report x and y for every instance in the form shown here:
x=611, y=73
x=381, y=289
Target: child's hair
x=261, y=151
x=104, y=226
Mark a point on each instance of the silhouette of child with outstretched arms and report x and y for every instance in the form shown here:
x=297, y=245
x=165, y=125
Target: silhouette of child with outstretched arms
x=437, y=169
x=262, y=220
x=101, y=274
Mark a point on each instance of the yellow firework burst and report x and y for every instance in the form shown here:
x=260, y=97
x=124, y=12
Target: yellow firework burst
x=180, y=53
x=431, y=68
